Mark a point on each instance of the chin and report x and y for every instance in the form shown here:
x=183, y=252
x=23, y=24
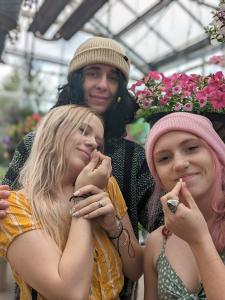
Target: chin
x=99, y=109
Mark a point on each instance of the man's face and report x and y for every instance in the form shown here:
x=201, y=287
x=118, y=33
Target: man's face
x=100, y=86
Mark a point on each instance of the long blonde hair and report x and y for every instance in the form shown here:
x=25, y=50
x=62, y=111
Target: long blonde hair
x=46, y=166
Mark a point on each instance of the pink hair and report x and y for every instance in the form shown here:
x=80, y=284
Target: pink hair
x=217, y=229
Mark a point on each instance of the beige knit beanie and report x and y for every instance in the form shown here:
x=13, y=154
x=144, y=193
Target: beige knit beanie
x=99, y=50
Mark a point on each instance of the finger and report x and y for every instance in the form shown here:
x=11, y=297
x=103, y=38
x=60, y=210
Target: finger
x=105, y=165
x=97, y=208
x=187, y=196
x=2, y=214
x=3, y=204
x=87, y=189
x=4, y=194
x=88, y=201
x=173, y=194
x=4, y=187
x=93, y=162
x=106, y=210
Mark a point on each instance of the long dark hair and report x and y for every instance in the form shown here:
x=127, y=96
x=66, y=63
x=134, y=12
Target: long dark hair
x=116, y=117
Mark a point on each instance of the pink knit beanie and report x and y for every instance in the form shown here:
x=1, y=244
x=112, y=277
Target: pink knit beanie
x=188, y=122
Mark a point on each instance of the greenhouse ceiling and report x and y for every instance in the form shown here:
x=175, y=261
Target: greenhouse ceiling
x=158, y=35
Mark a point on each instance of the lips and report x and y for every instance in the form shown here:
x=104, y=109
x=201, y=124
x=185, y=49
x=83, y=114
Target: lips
x=86, y=153
x=99, y=98
x=187, y=177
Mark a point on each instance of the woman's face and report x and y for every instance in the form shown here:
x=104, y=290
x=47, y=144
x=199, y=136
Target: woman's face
x=100, y=86
x=82, y=142
x=179, y=154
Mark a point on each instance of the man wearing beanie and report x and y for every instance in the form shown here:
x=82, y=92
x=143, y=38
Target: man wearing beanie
x=98, y=77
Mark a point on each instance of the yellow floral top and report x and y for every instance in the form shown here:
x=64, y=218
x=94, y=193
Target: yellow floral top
x=107, y=281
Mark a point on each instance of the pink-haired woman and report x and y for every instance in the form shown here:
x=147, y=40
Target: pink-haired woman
x=184, y=259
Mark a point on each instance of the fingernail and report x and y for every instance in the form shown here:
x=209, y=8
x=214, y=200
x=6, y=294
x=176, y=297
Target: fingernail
x=181, y=180
x=77, y=193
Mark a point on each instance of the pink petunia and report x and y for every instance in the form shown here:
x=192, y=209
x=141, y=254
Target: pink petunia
x=178, y=106
x=163, y=101
x=188, y=106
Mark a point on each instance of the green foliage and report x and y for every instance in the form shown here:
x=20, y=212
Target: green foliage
x=12, y=82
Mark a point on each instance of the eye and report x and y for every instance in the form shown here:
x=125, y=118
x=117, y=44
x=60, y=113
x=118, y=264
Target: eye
x=91, y=73
x=113, y=77
x=192, y=148
x=163, y=159
x=83, y=130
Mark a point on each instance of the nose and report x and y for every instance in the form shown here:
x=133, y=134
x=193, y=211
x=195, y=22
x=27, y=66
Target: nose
x=102, y=82
x=180, y=162
x=91, y=143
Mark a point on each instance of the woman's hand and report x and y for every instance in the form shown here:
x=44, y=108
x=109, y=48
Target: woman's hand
x=97, y=206
x=4, y=194
x=187, y=222
x=97, y=172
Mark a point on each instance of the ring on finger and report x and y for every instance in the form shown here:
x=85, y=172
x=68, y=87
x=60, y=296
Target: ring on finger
x=100, y=205
x=173, y=205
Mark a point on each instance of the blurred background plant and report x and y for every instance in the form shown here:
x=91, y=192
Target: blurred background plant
x=21, y=110
x=22, y=122
x=216, y=29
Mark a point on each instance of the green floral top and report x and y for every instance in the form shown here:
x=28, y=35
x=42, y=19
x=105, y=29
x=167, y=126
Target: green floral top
x=170, y=286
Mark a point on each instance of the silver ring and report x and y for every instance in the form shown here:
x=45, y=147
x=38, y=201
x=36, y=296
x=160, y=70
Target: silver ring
x=100, y=205
x=173, y=205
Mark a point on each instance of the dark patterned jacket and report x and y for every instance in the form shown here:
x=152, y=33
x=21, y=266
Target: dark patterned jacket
x=129, y=168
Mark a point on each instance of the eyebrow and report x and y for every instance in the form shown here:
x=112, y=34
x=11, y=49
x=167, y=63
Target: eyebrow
x=181, y=144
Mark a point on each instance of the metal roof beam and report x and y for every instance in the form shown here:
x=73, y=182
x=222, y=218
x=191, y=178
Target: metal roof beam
x=47, y=15
x=190, y=14
x=200, y=2
x=190, y=52
x=158, y=34
x=149, y=13
x=84, y=12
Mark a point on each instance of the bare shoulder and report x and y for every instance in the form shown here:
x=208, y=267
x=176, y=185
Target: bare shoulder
x=154, y=243
x=154, y=237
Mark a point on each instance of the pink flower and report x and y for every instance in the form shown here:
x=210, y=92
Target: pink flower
x=152, y=75
x=202, y=102
x=144, y=93
x=188, y=106
x=178, y=106
x=136, y=84
x=217, y=60
x=36, y=117
x=186, y=94
x=164, y=100
x=181, y=92
x=147, y=103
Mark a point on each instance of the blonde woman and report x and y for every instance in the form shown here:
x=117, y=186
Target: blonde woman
x=67, y=234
